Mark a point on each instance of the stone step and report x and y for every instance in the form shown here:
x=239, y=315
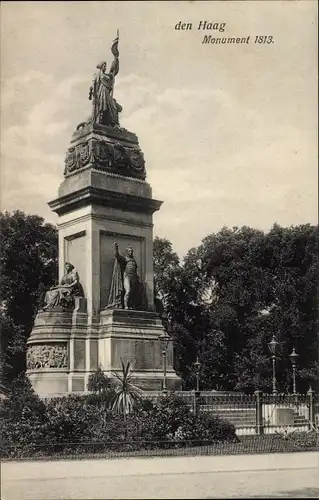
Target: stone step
x=245, y=417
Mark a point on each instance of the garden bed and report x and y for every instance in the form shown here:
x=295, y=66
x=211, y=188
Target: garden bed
x=88, y=426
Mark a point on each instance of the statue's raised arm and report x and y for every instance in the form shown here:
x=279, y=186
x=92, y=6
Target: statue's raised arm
x=115, y=51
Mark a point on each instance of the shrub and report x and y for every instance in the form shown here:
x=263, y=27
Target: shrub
x=22, y=419
x=104, y=399
x=305, y=440
x=68, y=418
x=79, y=418
x=146, y=404
x=170, y=419
x=99, y=382
x=22, y=399
x=167, y=415
x=78, y=423
x=207, y=428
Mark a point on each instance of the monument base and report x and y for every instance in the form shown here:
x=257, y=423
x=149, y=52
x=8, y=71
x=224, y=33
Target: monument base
x=63, y=350
x=56, y=363
x=133, y=336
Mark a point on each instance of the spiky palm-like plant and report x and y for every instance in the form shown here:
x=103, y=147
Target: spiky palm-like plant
x=126, y=393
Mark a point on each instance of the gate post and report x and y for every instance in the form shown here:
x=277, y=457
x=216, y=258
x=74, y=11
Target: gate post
x=196, y=403
x=311, y=408
x=259, y=412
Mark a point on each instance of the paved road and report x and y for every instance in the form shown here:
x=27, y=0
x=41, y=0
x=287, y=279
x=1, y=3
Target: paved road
x=275, y=475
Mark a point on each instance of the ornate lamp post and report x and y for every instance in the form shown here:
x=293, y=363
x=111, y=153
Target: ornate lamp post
x=293, y=358
x=273, y=346
x=197, y=367
x=164, y=341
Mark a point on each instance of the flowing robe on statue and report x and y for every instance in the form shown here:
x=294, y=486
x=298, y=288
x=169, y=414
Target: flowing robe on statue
x=62, y=295
x=116, y=295
x=105, y=108
x=126, y=289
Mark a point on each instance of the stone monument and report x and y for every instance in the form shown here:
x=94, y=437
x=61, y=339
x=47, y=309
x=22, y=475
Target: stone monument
x=103, y=308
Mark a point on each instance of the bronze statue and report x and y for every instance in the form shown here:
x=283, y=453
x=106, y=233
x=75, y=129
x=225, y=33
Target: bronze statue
x=62, y=295
x=105, y=108
x=130, y=294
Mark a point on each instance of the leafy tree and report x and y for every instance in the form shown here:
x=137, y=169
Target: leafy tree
x=166, y=265
x=28, y=258
x=231, y=294
x=265, y=283
x=170, y=288
x=292, y=259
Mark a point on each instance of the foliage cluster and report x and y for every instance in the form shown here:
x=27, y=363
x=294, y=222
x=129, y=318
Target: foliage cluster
x=30, y=426
x=227, y=297
x=28, y=262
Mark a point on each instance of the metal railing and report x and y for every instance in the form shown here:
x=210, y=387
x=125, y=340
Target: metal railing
x=267, y=443
x=258, y=413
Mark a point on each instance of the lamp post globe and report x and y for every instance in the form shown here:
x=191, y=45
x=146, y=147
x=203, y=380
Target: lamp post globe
x=293, y=356
x=273, y=345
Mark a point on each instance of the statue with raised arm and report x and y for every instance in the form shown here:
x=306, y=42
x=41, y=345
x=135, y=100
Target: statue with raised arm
x=133, y=296
x=62, y=295
x=105, y=108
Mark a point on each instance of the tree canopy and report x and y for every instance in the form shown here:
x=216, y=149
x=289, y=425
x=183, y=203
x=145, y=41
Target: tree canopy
x=231, y=294
x=28, y=257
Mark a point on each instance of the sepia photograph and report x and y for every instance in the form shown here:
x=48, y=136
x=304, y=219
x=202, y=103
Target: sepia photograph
x=159, y=249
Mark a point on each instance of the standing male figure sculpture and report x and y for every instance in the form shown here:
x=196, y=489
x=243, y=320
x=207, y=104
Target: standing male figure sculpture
x=133, y=288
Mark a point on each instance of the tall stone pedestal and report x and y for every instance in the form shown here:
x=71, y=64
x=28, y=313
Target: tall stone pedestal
x=133, y=335
x=104, y=198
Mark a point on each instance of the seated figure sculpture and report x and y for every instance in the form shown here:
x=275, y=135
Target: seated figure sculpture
x=62, y=296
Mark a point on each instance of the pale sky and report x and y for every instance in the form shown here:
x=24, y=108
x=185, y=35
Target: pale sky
x=229, y=132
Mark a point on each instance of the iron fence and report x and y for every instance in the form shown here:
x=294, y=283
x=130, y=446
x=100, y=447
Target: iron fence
x=286, y=410
x=258, y=413
x=238, y=409
x=267, y=443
